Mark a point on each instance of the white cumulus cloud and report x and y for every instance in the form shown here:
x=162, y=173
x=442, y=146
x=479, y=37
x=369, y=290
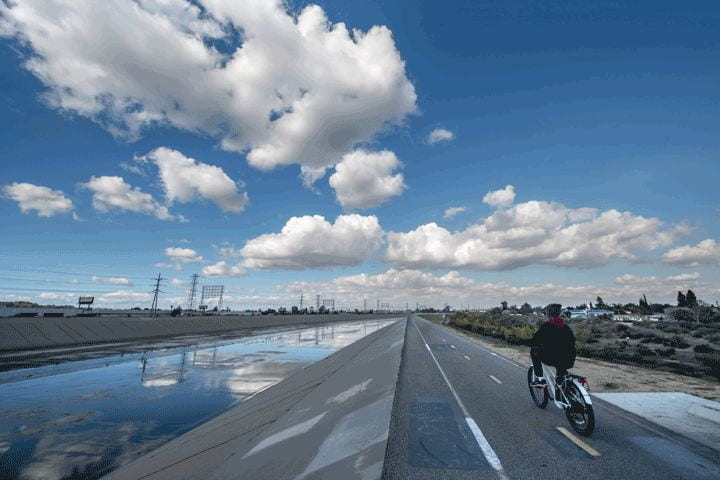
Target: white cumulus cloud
x=707, y=252
x=440, y=135
x=366, y=179
x=630, y=279
x=532, y=233
x=287, y=88
x=184, y=179
x=111, y=280
x=45, y=201
x=183, y=255
x=223, y=269
x=500, y=198
x=124, y=297
x=453, y=211
x=113, y=193
x=176, y=282
x=313, y=242
x=683, y=277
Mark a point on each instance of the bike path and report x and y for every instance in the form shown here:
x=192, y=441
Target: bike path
x=525, y=439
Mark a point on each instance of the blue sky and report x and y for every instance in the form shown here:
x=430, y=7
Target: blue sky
x=612, y=108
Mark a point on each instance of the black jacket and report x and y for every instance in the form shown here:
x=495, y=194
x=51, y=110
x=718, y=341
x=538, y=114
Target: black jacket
x=557, y=345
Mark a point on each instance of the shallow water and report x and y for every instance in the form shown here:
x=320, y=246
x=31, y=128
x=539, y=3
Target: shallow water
x=83, y=419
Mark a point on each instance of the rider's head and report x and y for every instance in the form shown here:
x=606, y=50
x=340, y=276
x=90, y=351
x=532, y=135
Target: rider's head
x=553, y=310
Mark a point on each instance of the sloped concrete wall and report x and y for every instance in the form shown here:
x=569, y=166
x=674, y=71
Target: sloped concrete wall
x=36, y=333
x=330, y=420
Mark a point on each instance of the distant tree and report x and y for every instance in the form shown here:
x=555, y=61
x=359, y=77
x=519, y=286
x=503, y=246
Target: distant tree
x=681, y=300
x=644, y=306
x=691, y=299
x=591, y=306
x=504, y=305
x=581, y=307
x=599, y=302
x=526, y=309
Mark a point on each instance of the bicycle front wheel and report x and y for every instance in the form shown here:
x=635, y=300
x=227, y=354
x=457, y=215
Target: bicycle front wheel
x=580, y=415
x=539, y=395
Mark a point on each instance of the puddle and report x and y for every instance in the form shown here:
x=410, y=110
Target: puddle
x=81, y=420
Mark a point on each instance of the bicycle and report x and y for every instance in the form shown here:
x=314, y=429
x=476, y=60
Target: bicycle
x=570, y=395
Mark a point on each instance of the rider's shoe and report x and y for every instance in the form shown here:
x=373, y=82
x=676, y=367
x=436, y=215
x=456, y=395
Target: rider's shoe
x=539, y=382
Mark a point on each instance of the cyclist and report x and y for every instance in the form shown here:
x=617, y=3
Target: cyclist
x=553, y=344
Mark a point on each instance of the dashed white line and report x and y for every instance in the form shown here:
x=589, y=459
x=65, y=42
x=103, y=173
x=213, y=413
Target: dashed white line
x=452, y=346
x=493, y=354
x=466, y=357
x=487, y=450
x=496, y=380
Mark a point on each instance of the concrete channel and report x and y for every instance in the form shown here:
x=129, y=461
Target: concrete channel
x=36, y=333
x=331, y=420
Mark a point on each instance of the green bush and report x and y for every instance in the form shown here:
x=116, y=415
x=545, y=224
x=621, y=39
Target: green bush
x=666, y=352
x=704, y=348
x=677, y=342
x=711, y=361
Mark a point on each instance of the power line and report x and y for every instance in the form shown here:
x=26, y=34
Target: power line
x=59, y=272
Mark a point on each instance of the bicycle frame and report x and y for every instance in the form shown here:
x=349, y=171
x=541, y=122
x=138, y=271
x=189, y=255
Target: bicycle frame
x=552, y=386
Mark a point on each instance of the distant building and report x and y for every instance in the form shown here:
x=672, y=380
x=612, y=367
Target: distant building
x=589, y=313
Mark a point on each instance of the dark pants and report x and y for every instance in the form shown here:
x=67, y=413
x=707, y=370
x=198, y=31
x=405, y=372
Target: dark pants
x=536, y=353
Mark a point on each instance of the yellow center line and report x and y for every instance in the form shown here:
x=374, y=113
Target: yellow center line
x=579, y=442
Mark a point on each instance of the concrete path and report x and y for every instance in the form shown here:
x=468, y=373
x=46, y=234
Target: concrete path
x=688, y=415
x=464, y=412
x=329, y=421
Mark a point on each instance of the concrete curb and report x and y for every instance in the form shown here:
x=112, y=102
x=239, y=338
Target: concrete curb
x=331, y=420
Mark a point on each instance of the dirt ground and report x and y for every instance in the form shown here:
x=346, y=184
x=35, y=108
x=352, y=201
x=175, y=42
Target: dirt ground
x=612, y=377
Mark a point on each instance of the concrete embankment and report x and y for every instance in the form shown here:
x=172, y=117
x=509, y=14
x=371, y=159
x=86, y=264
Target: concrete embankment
x=330, y=420
x=36, y=333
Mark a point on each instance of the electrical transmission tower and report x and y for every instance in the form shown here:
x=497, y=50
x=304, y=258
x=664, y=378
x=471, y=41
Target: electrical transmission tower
x=317, y=302
x=301, y=301
x=193, y=291
x=156, y=292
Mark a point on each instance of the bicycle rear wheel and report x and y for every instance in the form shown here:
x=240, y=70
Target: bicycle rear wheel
x=580, y=415
x=539, y=395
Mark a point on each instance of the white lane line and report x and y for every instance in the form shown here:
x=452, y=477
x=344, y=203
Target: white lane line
x=498, y=381
x=452, y=346
x=466, y=357
x=487, y=450
x=579, y=442
x=494, y=354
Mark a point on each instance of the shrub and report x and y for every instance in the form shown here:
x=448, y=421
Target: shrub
x=666, y=352
x=710, y=361
x=677, y=342
x=672, y=328
x=704, y=348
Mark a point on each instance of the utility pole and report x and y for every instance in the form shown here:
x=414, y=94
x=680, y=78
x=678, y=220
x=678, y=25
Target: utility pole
x=193, y=291
x=156, y=292
x=407, y=307
x=365, y=305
